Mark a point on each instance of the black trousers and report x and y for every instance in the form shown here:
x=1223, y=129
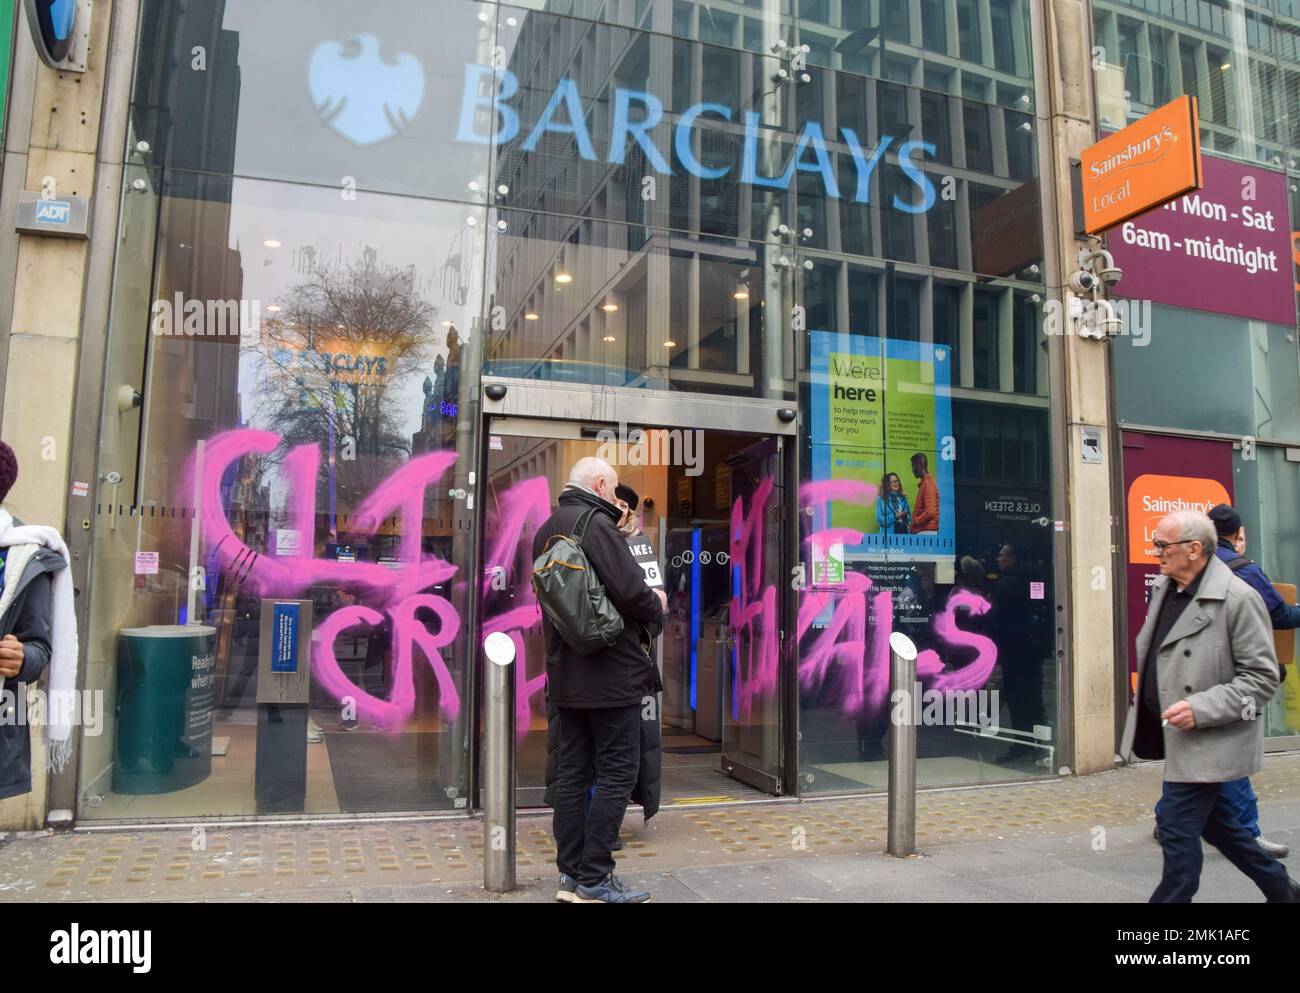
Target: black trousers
x=602, y=744
x=1189, y=812
x=1022, y=689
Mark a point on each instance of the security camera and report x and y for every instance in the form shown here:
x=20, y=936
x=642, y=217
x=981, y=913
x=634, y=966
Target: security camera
x=1111, y=275
x=1108, y=322
x=495, y=391
x=1083, y=281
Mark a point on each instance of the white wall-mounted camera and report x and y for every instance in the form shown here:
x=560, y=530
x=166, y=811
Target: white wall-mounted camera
x=1096, y=315
x=1083, y=282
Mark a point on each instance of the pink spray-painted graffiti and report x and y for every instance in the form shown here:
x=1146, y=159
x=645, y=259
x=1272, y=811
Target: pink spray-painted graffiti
x=753, y=615
x=399, y=592
x=524, y=508
x=853, y=655
x=846, y=656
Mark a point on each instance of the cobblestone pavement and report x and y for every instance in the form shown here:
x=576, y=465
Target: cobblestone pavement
x=427, y=858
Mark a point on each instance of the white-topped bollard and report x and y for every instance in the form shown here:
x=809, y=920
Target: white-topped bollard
x=499, y=763
x=902, y=746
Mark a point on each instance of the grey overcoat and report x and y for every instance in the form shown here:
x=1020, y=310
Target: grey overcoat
x=1220, y=658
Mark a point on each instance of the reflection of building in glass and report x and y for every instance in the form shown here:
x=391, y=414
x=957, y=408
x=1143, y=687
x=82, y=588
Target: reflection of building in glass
x=1238, y=59
x=604, y=295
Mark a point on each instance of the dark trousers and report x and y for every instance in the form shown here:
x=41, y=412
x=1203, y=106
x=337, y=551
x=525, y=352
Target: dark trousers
x=1243, y=800
x=1192, y=811
x=603, y=744
x=1022, y=690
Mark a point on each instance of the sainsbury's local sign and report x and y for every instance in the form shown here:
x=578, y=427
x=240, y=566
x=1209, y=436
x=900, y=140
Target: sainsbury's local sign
x=488, y=116
x=1150, y=162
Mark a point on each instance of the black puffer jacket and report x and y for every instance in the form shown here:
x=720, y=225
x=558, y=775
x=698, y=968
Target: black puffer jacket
x=27, y=619
x=622, y=674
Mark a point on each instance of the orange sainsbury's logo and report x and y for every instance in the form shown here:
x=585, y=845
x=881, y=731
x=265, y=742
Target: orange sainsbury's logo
x=1149, y=163
x=1152, y=497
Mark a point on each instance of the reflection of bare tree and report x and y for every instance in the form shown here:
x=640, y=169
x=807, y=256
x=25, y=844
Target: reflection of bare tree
x=342, y=338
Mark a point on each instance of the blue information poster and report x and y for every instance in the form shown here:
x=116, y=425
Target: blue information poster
x=882, y=415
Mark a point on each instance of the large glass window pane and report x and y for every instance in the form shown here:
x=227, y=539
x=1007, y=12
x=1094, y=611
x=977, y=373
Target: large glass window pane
x=1003, y=27
x=979, y=142
x=1232, y=57
x=1247, y=373
x=260, y=90
x=968, y=30
x=304, y=380
x=1267, y=486
x=987, y=339
x=934, y=31
x=978, y=564
x=935, y=125
x=596, y=312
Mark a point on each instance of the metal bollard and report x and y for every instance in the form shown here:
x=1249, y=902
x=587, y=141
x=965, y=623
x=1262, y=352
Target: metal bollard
x=902, y=747
x=499, y=764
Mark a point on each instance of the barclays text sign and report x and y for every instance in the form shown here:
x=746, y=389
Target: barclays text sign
x=490, y=90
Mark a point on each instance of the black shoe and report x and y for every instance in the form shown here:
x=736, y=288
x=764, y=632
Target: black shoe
x=610, y=890
x=617, y=846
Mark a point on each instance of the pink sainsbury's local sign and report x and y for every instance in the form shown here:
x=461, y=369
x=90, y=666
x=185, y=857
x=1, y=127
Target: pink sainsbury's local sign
x=1225, y=248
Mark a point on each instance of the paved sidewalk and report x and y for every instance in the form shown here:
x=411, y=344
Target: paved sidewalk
x=1082, y=839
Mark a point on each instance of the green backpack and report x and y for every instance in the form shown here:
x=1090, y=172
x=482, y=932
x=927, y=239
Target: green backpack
x=572, y=595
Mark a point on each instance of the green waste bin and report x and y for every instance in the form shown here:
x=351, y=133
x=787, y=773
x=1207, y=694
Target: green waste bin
x=165, y=693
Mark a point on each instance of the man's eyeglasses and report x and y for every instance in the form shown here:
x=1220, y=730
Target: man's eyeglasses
x=1160, y=546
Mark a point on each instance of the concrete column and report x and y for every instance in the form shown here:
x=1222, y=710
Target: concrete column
x=63, y=110
x=1080, y=378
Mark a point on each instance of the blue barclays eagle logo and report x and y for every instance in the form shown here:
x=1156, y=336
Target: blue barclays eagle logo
x=359, y=95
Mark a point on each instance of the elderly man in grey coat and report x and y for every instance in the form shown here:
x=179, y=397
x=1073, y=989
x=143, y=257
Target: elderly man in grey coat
x=1206, y=670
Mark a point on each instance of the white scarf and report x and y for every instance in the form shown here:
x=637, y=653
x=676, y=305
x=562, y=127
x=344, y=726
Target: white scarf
x=63, y=636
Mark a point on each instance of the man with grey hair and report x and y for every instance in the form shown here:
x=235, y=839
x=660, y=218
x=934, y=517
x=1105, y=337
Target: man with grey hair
x=598, y=697
x=1206, y=670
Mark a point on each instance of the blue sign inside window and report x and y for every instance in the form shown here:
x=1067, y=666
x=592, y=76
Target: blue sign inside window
x=284, y=638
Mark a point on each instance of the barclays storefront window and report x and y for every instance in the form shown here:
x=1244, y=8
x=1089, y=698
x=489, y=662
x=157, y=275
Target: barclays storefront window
x=292, y=455
x=334, y=230
x=927, y=456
